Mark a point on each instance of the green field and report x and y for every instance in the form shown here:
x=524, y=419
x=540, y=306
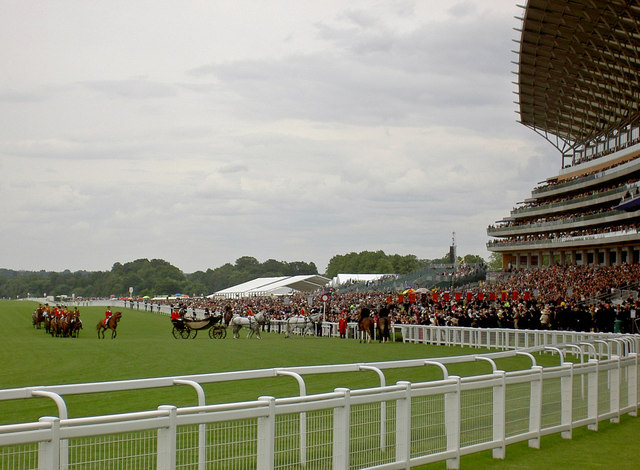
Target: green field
x=145, y=348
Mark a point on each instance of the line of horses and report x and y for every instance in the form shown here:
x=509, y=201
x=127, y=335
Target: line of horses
x=62, y=324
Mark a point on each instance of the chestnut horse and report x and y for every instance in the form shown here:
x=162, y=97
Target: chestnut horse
x=110, y=324
x=365, y=325
x=383, y=329
x=384, y=323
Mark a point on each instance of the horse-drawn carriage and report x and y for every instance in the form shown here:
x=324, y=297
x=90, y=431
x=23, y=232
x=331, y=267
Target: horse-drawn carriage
x=183, y=328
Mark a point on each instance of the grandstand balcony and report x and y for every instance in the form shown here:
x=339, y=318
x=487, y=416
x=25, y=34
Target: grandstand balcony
x=617, y=247
x=610, y=217
x=601, y=198
x=582, y=177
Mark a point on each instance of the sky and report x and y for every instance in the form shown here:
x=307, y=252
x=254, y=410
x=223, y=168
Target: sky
x=199, y=132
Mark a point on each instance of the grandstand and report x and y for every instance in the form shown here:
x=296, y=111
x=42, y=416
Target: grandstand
x=578, y=88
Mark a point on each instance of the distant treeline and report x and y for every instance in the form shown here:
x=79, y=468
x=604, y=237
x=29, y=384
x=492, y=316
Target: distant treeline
x=158, y=277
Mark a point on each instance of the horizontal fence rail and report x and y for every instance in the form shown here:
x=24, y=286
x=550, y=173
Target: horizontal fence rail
x=390, y=426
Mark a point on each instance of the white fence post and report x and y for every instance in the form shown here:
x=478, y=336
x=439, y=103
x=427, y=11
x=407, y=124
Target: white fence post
x=49, y=451
x=566, y=400
x=267, y=436
x=535, y=407
x=341, y=428
x=632, y=384
x=614, y=390
x=592, y=396
x=499, y=405
x=452, y=423
x=166, y=447
x=202, y=428
x=403, y=425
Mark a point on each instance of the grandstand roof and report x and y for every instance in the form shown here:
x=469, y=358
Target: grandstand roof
x=579, y=62
x=274, y=286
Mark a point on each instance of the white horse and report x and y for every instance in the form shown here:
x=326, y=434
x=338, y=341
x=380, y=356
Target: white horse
x=305, y=323
x=252, y=322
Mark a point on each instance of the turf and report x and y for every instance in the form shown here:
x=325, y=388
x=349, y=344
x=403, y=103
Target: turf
x=145, y=347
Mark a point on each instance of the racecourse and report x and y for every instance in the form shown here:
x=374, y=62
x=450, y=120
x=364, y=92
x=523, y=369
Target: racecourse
x=145, y=347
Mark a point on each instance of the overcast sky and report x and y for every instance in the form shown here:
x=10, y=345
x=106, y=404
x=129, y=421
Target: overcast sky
x=202, y=131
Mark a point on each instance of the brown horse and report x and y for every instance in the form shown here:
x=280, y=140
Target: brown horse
x=38, y=317
x=383, y=329
x=110, y=324
x=365, y=325
x=228, y=315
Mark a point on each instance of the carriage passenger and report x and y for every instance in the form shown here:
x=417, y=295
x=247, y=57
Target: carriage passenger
x=176, y=315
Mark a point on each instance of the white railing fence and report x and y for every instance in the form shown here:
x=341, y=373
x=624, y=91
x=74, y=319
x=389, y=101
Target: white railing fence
x=386, y=427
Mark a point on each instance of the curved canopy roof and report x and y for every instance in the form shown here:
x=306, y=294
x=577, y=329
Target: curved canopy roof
x=579, y=63
x=274, y=286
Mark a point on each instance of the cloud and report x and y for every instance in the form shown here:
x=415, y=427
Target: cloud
x=197, y=137
x=138, y=88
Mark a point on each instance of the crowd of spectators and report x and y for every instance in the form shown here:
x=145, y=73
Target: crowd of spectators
x=565, y=234
x=558, y=297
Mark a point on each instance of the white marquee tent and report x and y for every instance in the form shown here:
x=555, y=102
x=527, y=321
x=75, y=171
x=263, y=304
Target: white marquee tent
x=343, y=278
x=266, y=286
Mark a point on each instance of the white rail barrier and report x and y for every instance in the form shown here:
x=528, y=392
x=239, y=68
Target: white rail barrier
x=396, y=426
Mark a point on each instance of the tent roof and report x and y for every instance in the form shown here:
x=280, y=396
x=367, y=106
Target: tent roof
x=341, y=278
x=579, y=69
x=271, y=285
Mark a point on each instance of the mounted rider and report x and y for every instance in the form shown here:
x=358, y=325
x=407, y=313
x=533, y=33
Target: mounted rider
x=107, y=315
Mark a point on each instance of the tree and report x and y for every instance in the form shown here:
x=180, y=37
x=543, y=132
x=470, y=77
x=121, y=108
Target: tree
x=495, y=260
x=473, y=259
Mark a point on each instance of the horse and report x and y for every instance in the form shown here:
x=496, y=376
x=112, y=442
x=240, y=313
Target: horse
x=253, y=322
x=38, y=317
x=365, y=325
x=228, y=315
x=383, y=324
x=305, y=323
x=383, y=329
x=110, y=324
x=75, y=325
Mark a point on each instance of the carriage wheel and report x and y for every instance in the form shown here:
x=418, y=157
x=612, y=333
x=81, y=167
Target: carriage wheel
x=185, y=333
x=176, y=333
x=217, y=333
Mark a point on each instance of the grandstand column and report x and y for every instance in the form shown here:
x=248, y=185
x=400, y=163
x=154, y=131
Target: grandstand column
x=629, y=259
x=563, y=258
x=607, y=257
x=583, y=257
x=528, y=260
x=617, y=254
x=518, y=260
